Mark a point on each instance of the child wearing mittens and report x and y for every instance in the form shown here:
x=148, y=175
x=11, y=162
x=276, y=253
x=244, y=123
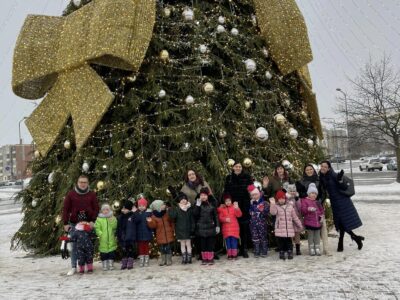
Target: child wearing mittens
x=164, y=227
x=313, y=213
x=207, y=225
x=228, y=214
x=144, y=234
x=292, y=197
x=184, y=226
x=286, y=220
x=259, y=209
x=106, y=228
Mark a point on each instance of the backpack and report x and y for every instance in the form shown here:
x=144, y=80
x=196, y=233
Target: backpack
x=347, y=186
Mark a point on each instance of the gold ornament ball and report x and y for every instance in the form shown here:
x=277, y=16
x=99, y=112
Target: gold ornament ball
x=115, y=205
x=67, y=144
x=58, y=219
x=230, y=163
x=280, y=119
x=164, y=55
x=167, y=12
x=168, y=192
x=208, y=87
x=222, y=133
x=100, y=185
x=247, y=162
x=129, y=154
x=304, y=114
x=247, y=104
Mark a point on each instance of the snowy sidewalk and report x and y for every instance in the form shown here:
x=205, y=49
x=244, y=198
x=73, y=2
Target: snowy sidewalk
x=373, y=273
x=382, y=193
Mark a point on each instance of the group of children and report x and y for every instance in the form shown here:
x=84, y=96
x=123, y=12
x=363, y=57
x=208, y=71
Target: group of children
x=201, y=223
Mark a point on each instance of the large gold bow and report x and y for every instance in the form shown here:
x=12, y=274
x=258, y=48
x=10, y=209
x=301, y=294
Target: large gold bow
x=53, y=54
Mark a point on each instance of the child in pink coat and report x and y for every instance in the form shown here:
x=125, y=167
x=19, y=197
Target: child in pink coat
x=313, y=213
x=227, y=215
x=286, y=220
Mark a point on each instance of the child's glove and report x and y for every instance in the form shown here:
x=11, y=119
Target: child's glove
x=217, y=229
x=312, y=209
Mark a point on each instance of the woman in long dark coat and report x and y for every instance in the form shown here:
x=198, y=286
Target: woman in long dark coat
x=345, y=214
x=236, y=185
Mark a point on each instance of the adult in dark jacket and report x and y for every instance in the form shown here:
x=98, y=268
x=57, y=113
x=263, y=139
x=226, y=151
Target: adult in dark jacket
x=126, y=234
x=207, y=226
x=236, y=185
x=345, y=214
x=310, y=175
x=78, y=200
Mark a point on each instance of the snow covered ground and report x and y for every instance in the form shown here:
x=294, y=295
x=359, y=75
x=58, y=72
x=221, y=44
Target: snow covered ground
x=372, y=273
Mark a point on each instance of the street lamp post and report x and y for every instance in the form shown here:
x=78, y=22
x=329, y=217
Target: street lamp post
x=347, y=129
x=19, y=129
x=335, y=140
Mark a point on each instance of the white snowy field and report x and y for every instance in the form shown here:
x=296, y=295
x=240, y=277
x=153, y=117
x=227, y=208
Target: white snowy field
x=378, y=193
x=372, y=273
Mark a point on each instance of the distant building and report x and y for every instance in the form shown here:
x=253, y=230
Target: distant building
x=14, y=160
x=335, y=142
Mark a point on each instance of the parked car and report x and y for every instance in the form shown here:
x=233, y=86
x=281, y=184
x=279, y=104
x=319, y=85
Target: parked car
x=10, y=183
x=371, y=165
x=338, y=159
x=392, y=165
x=3, y=183
x=384, y=159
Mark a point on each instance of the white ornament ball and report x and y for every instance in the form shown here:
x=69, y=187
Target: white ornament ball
x=85, y=167
x=67, y=144
x=268, y=75
x=287, y=102
x=164, y=55
x=310, y=142
x=189, y=100
x=265, y=52
x=254, y=20
x=50, y=179
x=222, y=133
x=221, y=20
x=251, y=65
x=162, y=94
x=77, y=2
x=203, y=49
x=129, y=154
x=34, y=203
x=104, y=167
x=116, y=204
x=280, y=119
x=167, y=12
x=262, y=134
x=258, y=185
x=247, y=104
x=188, y=14
x=234, y=31
x=220, y=29
x=286, y=163
x=293, y=133
x=208, y=87
x=328, y=202
x=37, y=154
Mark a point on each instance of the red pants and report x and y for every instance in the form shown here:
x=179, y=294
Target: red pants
x=143, y=247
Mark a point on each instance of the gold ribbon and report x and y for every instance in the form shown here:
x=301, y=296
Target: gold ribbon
x=53, y=57
x=53, y=54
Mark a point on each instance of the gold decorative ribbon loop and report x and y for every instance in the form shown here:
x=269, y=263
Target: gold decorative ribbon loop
x=52, y=56
x=283, y=27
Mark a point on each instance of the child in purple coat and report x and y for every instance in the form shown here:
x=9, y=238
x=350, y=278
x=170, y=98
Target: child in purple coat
x=313, y=213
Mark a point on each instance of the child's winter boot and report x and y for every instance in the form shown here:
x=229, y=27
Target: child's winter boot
x=290, y=254
x=317, y=251
x=311, y=249
x=234, y=253
x=189, y=258
x=146, y=260
x=256, y=249
x=169, y=259
x=298, y=252
x=264, y=248
x=110, y=264
x=81, y=269
x=184, y=258
x=204, y=258
x=129, y=264
x=210, y=258
x=104, y=264
x=89, y=268
x=124, y=263
x=141, y=260
x=163, y=258
x=282, y=255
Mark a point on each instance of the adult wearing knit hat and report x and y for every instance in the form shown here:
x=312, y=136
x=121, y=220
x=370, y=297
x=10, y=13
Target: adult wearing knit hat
x=127, y=205
x=236, y=185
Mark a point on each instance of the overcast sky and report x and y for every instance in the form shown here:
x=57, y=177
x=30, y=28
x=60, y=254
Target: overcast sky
x=343, y=34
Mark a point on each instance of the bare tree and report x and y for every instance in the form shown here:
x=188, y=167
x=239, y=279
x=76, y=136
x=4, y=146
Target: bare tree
x=375, y=107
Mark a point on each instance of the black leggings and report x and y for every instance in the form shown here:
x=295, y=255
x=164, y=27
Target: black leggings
x=207, y=244
x=284, y=243
x=127, y=251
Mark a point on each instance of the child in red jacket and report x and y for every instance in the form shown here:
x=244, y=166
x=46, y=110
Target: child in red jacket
x=228, y=215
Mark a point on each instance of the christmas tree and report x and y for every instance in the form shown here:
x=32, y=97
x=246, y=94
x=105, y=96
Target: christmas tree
x=139, y=91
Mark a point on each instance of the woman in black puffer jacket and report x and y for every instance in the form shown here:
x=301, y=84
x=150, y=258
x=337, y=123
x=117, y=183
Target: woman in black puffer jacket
x=236, y=185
